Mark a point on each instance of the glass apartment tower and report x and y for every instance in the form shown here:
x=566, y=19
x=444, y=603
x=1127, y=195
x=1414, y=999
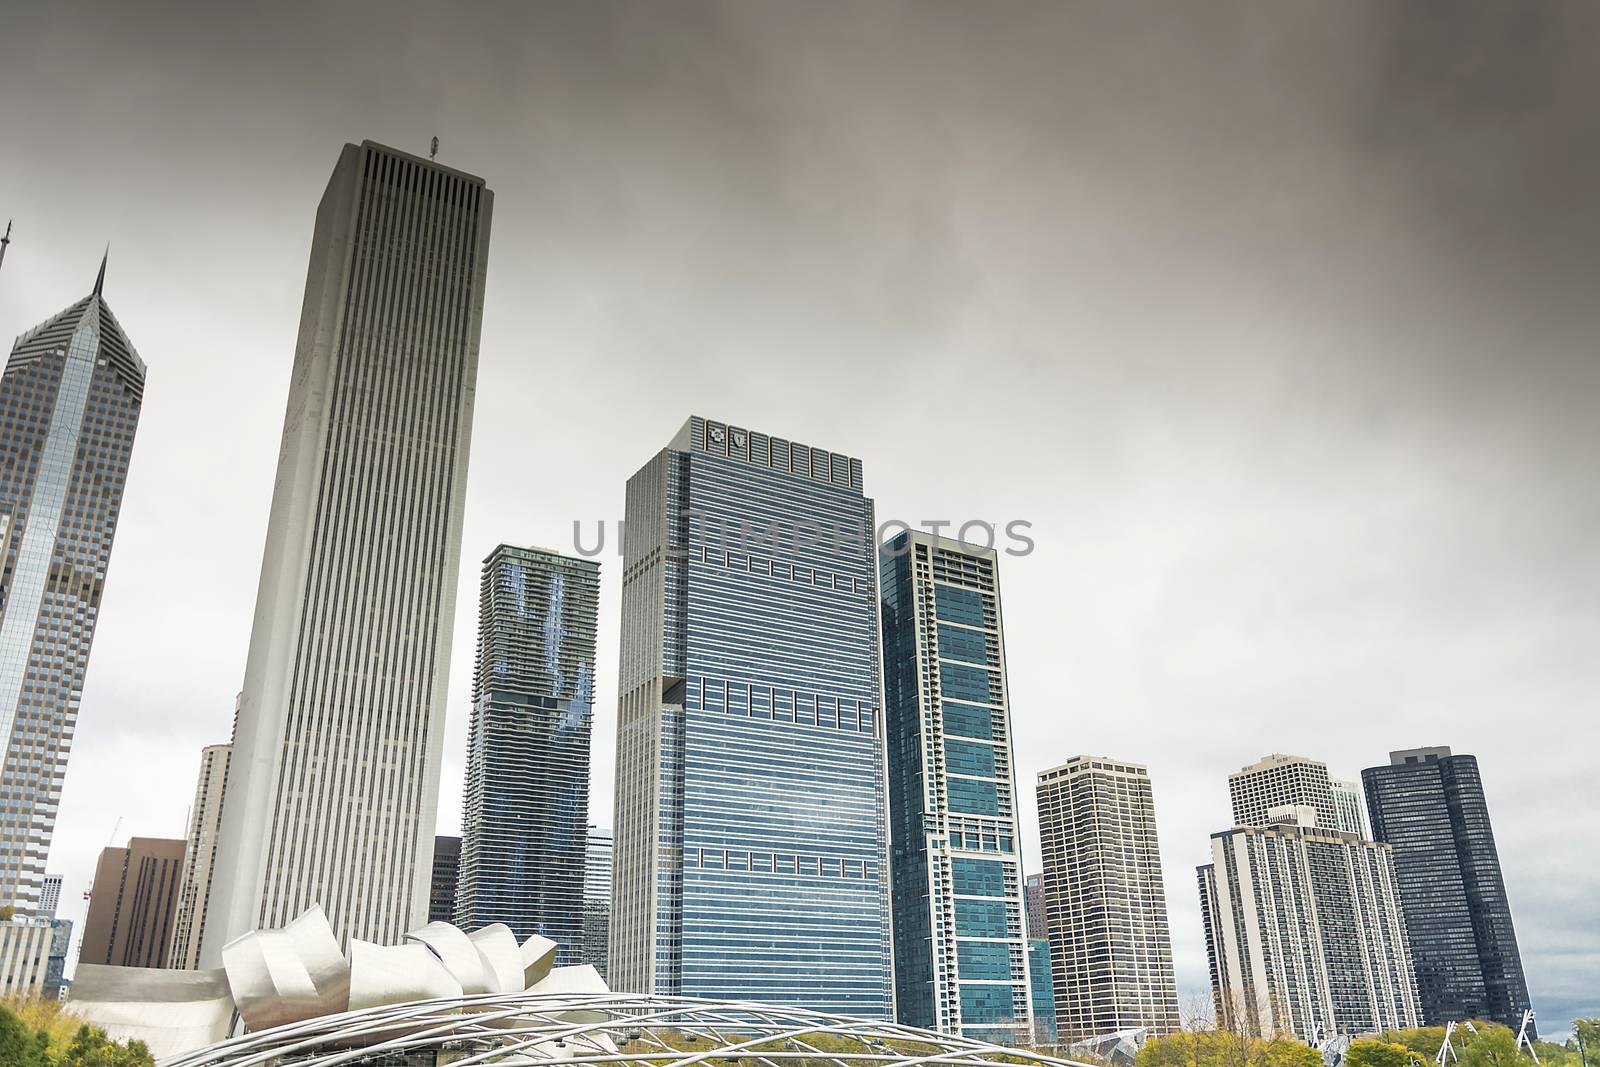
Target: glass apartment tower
x=69, y=406
x=333, y=788
x=597, y=900
x=1429, y=805
x=960, y=932
x=750, y=824
x=525, y=804
x=1106, y=901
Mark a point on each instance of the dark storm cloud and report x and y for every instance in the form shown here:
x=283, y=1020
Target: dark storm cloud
x=1276, y=319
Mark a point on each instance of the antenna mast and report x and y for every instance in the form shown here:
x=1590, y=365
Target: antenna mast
x=6, y=240
x=433, y=149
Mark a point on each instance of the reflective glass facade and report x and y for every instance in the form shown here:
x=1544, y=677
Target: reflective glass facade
x=961, y=954
x=69, y=406
x=750, y=821
x=1429, y=805
x=525, y=807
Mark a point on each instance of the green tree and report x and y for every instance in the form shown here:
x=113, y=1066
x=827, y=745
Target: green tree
x=1367, y=1052
x=1287, y=1052
x=20, y=1045
x=91, y=1048
x=1493, y=1046
x=1586, y=1039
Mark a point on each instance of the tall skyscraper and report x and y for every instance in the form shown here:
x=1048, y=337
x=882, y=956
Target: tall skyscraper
x=597, y=900
x=334, y=783
x=525, y=805
x=1033, y=905
x=1429, y=805
x=446, y=876
x=133, y=904
x=200, y=857
x=1304, y=932
x=960, y=943
x=1110, y=945
x=1277, y=781
x=1349, y=812
x=69, y=406
x=750, y=822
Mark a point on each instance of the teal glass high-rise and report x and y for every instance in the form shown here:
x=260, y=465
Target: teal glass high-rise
x=525, y=802
x=960, y=937
x=750, y=826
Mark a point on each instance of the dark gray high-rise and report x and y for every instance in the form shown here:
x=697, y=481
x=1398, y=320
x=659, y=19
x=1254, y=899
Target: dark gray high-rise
x=525, y=807
x=1429, y=805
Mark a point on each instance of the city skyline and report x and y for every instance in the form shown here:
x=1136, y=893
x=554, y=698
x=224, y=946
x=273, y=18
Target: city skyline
x=1400, y=553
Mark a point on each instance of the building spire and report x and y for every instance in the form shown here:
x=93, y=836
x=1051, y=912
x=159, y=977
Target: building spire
x=5, y=241
x=100, y=281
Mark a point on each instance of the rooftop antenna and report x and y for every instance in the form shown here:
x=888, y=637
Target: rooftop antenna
x=433, y=149
x=4, y=241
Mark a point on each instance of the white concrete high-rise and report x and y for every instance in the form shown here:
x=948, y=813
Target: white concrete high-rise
x=1110, y=945
x=334, y=781
x=200, y=858
x=1349, y=809
x=1279, y=781
x=1304, y=931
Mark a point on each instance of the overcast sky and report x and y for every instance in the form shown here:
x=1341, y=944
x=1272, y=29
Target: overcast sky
x=1277, y=320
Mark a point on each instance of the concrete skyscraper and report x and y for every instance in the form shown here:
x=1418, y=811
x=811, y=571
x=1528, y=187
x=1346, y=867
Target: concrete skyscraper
x=525, y=803
x=1304, y=931
x=133, y=904
x=960, y=933
x=1429, y=805
x=200, y=858
x=1105, y=899
x=69, y=406
x=334, y=782
x=1278, y=781
x=750, y=823
x=1348, y=809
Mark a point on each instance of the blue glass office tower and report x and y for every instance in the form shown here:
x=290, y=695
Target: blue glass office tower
x=525, y=804
x=960, y=936
x=69, y=406
x=750, y=821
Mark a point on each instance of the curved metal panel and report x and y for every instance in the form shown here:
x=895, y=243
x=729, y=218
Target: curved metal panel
x=283, y=976
x=502, y=957
x=458, y=954
x=538, y=956
x=171, y=1011
x=396, y=974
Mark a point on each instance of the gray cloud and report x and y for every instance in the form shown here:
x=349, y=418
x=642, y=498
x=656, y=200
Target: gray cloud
x=1277, y=320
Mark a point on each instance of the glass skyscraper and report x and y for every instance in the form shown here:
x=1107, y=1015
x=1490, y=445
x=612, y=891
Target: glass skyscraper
x=525, y=805
x=1429, y=805
x=597, y=900
x=750, y=821
x=960, y=933
x=69, y=406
